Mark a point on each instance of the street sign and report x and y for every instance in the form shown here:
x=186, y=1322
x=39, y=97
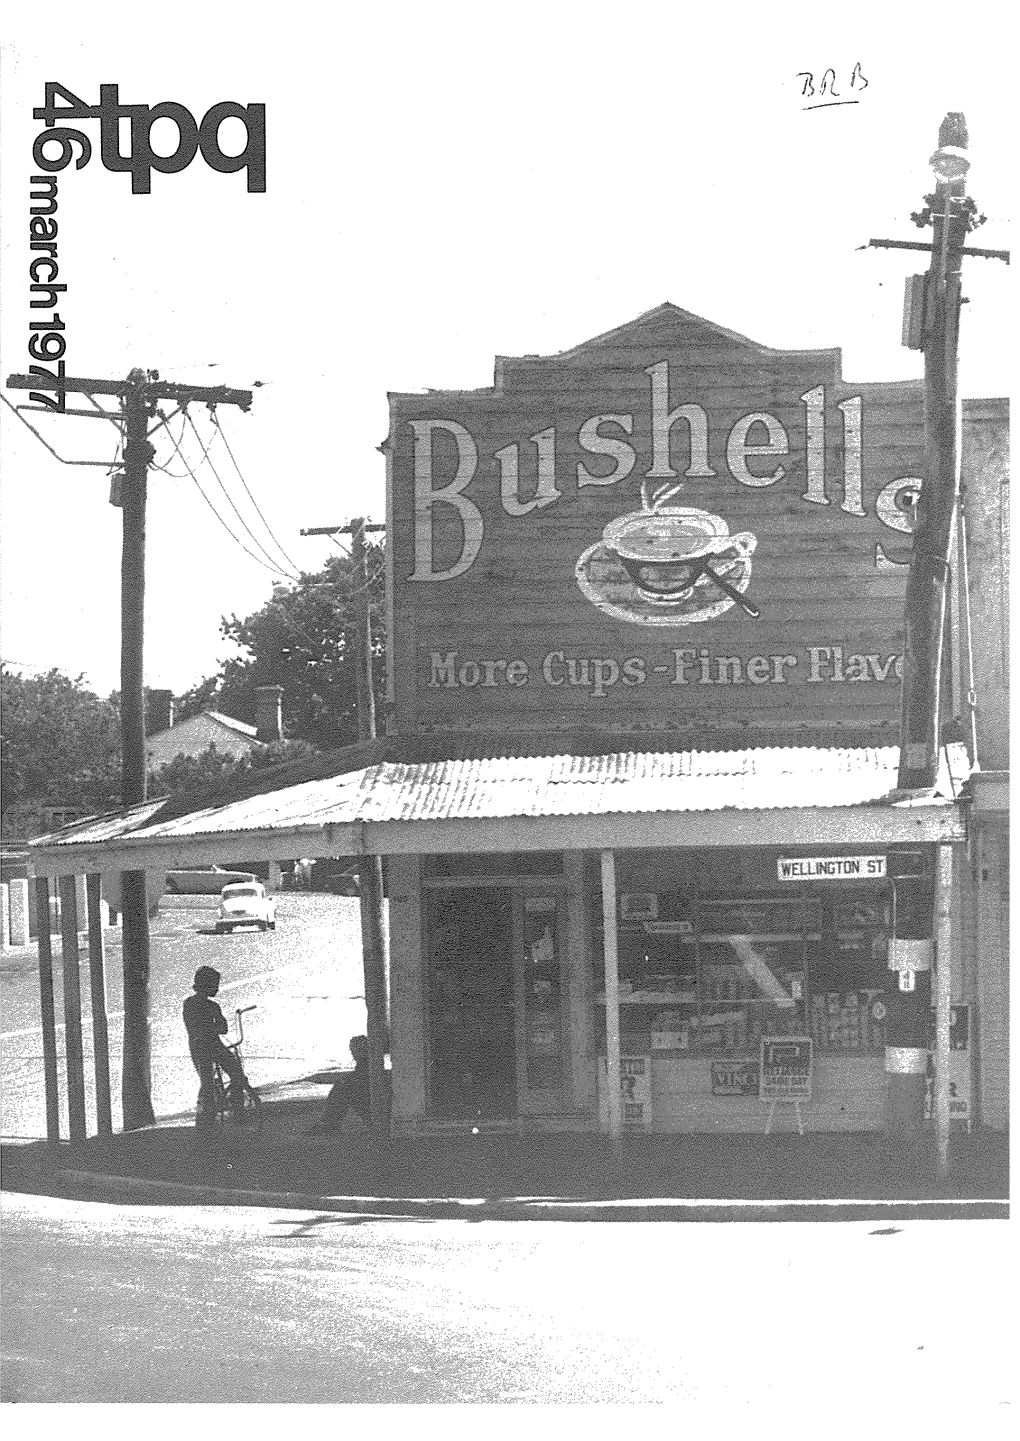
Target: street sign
x=831, y=868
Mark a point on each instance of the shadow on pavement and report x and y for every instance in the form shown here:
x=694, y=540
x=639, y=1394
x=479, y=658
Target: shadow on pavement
x=505, y=1169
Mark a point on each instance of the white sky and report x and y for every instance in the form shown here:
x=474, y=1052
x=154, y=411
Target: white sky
x=447, y=182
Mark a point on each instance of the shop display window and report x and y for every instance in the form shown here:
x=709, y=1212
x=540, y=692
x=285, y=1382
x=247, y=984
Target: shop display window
x=541, y=986
x=712, y=975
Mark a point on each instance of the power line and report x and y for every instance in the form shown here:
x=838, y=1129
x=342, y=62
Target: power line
x=247, y=527
x=226, y=442
x=190, y=474
x=273, y=570
x=174, y=474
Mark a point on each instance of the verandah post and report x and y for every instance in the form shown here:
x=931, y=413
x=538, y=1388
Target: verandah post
x=610, y=957
x=47, y=1010
x=97, y=986
x=72, y=1010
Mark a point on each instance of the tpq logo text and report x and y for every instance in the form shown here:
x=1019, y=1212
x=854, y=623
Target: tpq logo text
x=141, y=160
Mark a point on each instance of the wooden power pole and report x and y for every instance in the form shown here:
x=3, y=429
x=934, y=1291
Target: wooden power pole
x=921, y=881
x=370, y=875
x=935, y=519
x=138, y=395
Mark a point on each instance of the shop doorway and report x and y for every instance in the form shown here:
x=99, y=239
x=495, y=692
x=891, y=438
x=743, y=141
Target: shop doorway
x=472, y=1050
x=496, y=995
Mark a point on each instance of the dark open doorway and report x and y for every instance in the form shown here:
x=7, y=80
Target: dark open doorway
x=471, y=1002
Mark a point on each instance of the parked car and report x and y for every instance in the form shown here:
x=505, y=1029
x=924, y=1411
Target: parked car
x=203, y=881
x=336, y=876
x=246, y=905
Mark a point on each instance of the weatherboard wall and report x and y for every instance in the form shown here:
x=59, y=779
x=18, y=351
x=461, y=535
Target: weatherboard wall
x=529, y=620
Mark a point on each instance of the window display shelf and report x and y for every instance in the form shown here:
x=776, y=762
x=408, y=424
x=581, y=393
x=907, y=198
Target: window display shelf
x=718, y=938
x=653, y=998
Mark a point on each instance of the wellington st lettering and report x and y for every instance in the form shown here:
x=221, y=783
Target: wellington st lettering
x=758, y=455
x=688, y=666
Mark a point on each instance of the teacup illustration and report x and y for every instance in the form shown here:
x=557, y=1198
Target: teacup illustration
x=670, y=550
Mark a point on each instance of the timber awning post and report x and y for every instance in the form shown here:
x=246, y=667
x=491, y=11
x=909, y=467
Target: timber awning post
x=97, y=987
x=47, y=1010
x=612, y=983
x=77, y=1127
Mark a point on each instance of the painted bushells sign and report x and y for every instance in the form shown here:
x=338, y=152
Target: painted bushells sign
x=669, y=526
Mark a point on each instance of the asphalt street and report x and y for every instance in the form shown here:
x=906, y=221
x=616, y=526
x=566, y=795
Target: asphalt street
x=112, y=1303
x=305, y=978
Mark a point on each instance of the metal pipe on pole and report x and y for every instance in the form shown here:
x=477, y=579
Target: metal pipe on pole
x=943, y=1003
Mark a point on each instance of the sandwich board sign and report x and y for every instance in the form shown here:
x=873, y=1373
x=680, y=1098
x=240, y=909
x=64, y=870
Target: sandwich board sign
x=784, y=1073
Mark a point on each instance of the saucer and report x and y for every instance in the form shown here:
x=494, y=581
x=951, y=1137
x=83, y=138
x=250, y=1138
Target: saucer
x=603, y=580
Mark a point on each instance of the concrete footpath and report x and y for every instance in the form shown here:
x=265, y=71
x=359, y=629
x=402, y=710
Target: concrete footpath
x=495, y=1175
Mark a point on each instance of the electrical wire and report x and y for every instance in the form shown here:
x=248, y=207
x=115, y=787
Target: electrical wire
x=226, y=442
x=190, y=474
x=175, y=474
x=273, y=570
x=282, y=570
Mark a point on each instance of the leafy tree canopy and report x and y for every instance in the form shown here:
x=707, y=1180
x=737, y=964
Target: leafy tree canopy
x=303, y=639
x=193, y=775
x=60, y=747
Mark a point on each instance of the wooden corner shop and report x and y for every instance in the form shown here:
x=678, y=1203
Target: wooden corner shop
x=671, y=562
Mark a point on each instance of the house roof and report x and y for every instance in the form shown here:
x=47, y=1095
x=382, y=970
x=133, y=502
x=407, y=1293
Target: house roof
x=226, y=721
x=551, y=801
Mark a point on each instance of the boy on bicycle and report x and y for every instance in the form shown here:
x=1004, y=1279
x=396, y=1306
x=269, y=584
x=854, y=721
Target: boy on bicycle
x=205, y=1025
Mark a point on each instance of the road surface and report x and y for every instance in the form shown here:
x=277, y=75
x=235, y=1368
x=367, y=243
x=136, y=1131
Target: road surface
x=305, y=978
x=108, y=1303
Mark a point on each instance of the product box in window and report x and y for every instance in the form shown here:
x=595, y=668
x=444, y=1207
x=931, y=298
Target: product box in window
x=670, y=1032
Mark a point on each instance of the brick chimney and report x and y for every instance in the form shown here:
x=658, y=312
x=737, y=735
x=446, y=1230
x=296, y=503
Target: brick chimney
x=159, y=711
x=269, y=713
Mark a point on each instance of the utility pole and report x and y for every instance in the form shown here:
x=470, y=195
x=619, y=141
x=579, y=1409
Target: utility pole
x=136, y=1078
x=921, y=886
x=370, y=867
x=138, y=395
x=925, y=608
x=370, y=876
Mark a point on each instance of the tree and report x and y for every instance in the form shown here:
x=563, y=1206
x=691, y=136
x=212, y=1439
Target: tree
x=303, y=640
x=191, y=775
x=60, y=746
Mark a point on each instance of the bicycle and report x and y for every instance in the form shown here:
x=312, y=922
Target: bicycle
x=249, y=1113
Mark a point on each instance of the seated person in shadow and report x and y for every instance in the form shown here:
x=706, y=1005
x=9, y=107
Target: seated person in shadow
x=347, y=1105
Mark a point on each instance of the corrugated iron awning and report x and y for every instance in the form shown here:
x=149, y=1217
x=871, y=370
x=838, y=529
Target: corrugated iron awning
x=531, y=802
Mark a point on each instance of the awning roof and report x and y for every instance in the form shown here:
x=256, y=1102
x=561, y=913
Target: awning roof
x=768, y=795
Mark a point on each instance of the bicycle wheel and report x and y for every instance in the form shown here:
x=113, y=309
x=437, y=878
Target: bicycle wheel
x=250, y=1114
x=220, y=1106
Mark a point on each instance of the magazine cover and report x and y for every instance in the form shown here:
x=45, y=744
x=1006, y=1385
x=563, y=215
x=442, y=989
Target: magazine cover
x=505, y=701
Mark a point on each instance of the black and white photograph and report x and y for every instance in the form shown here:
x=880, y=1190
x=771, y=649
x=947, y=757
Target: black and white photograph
x=505, y=715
